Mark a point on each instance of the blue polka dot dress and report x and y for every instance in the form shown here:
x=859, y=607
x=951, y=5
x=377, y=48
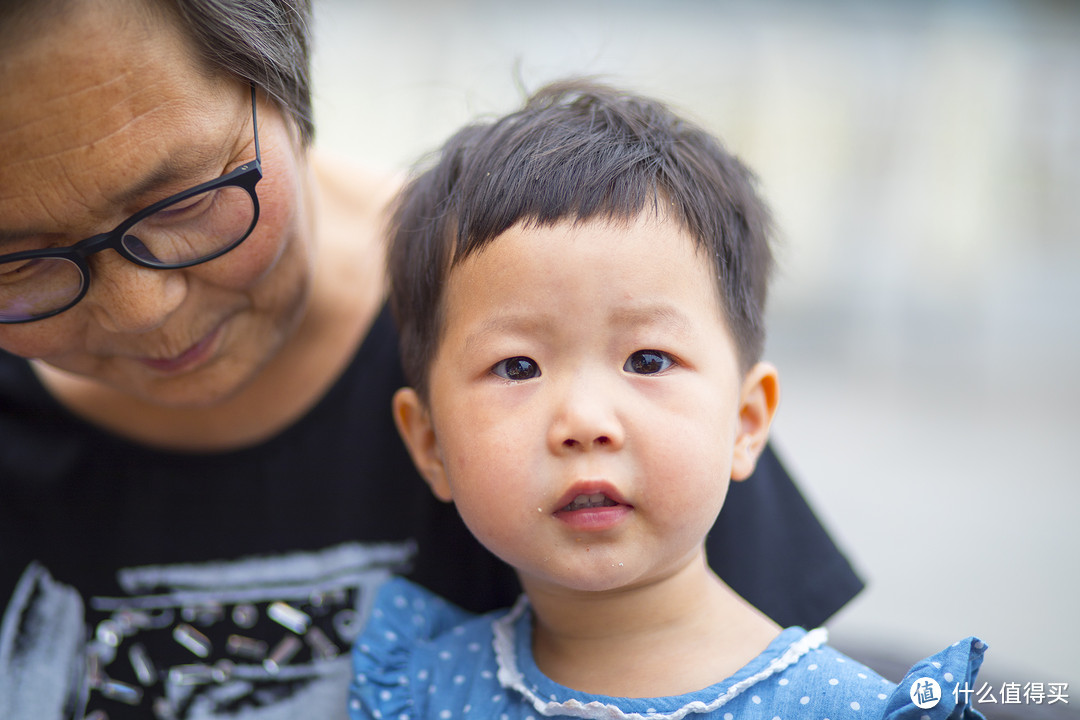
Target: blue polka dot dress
x=421, y=658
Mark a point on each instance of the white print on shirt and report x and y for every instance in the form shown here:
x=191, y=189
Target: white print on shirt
x=248, y=639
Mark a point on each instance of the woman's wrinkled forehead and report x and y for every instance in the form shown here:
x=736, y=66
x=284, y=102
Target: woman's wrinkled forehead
x=80, y=39
x=93, y=106
x=20, y=19
x=39, y=20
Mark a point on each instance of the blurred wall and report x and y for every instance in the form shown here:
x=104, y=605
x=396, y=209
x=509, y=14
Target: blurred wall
x=923, y=162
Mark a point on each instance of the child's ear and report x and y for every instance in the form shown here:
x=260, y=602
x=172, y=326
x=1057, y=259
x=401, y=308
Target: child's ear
x=757, y=404
x=414, y=425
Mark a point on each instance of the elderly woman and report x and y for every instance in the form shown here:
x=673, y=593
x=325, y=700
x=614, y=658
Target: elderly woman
x=200, y=482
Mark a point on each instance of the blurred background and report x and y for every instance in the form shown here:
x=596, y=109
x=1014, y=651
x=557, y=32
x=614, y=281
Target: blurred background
x=923, y=162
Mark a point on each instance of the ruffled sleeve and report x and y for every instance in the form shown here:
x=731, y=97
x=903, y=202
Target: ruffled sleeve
x=934, y=688
x=404, y=618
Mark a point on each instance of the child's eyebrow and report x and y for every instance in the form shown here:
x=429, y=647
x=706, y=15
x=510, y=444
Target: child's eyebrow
x=653, y=314
x=509, y=323
x=669, y=317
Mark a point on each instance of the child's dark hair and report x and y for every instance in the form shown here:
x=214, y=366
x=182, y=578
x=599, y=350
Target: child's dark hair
x=581, y=151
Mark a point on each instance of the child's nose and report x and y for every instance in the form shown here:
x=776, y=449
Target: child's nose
x=586, y=418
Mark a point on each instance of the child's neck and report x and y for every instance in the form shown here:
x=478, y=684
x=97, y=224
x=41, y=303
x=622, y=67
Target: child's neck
x=676, y=636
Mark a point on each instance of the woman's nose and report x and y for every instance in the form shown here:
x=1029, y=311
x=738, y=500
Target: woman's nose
x=586, y=418
x=127, y=298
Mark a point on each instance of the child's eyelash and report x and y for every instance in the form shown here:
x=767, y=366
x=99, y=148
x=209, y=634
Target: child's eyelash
x=517, y=369
x=648, y=362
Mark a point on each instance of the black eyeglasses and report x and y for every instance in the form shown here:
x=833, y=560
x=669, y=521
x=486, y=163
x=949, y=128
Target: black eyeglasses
x=191, y=227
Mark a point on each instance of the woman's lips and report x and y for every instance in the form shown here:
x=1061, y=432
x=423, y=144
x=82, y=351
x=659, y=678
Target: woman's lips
x=186, y=360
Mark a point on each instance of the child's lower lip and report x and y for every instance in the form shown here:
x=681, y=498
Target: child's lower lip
x=594, y=519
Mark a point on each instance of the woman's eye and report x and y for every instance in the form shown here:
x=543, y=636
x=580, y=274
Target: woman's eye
x=648, y=362
x=16, y=270
x=517, y=369
x=184, y=209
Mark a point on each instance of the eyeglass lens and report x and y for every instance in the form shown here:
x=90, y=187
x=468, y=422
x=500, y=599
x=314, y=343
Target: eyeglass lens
x=185, y=232
x=35, y=287
x=193, y=228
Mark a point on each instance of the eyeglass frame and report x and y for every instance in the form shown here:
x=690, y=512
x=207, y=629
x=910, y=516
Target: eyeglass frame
x=245, y=176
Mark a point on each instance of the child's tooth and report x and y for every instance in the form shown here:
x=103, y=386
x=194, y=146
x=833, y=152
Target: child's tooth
x=583, y=501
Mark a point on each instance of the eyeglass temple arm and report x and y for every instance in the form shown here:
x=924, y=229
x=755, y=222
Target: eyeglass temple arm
x=255, y=125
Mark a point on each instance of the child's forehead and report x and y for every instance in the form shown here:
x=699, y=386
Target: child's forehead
x=583, y=251
x=578, y=229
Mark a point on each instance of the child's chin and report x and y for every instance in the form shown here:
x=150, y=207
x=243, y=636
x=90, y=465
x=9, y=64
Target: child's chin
x=599, y=578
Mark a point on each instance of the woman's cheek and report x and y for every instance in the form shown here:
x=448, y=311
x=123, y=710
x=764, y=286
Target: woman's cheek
x=44, y=338
x=275, y=239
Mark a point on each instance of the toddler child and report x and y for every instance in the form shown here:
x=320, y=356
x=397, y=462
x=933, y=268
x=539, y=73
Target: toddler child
x=580, y=289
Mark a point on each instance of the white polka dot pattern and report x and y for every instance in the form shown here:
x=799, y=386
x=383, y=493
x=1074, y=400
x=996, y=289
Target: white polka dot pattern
x=453, y=666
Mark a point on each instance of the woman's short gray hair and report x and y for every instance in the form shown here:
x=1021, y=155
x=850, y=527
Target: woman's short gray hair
x=264, y=42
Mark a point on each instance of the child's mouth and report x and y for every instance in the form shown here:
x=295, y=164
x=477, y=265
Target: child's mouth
x=593, y=509
x=585, y=502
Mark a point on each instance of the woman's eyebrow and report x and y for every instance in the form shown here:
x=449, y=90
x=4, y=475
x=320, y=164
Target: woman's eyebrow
x=193, y=164
x=188, y=164
x=8, y=236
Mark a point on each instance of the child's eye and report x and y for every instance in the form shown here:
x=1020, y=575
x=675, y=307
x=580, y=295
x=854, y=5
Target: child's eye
x=516, y=368
x=648, y=362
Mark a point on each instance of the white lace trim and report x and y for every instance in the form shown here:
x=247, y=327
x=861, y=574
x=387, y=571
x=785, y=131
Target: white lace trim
x=511, y=677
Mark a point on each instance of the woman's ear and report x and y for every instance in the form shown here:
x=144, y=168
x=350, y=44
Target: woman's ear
x=415, y=427
x=758, y=399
